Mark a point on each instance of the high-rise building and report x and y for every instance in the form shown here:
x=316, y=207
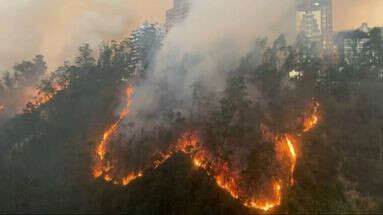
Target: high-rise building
x=352, y=43
x=177, y=14
x=314, y=19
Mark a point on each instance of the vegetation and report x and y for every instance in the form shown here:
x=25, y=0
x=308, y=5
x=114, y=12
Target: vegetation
x=46, y=151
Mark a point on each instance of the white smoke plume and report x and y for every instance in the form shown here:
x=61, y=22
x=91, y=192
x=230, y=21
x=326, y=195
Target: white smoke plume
x=210, y=43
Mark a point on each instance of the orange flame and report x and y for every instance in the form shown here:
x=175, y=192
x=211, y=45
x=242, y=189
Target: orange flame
x=43, y=98
x=229, y=185
x=108, y=178
x=198, y=162
x=293, y=157
x=224, y=176
x=101, y=148
x=267, y=205
x=97, y=173
x=291, y=148
x=311, y=121
x=126, y=180
x=189, y=144
x=186, y=144
x=102, y=166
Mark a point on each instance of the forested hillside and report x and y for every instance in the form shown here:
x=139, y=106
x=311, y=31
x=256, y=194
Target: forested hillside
x=264, y=142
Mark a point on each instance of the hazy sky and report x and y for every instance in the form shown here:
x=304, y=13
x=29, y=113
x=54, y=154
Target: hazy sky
x=55, y=28
x=350, y=14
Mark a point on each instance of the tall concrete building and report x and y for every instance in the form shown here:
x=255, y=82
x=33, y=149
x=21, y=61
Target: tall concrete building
x=352, y=43
x=177, y=14
x=314, y=19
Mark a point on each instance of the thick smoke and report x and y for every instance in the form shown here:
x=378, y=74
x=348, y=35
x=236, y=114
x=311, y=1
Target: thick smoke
x=220, y=32
x=209, y=44
x=201, y=51
x=56, y=28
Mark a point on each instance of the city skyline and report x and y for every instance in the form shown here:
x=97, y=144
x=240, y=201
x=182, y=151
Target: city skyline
x=346, y=15
x=64, y=25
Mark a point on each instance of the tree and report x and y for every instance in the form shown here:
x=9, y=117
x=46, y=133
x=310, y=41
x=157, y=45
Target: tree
x=85, y=57
x=30, y=72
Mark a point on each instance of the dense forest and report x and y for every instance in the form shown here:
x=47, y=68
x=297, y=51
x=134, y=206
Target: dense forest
x=54, y=133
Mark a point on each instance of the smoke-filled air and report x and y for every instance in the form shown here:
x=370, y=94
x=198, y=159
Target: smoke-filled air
x=191, y=107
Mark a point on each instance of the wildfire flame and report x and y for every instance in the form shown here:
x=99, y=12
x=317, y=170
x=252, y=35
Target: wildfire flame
x=101, y=148
x=311, y=121
x=291, y=148
x=43, y=98
x=293, y=157
x=267, y=205
x=225, y=177
x=102, y=166
x=227, y=184
x=126, y=180
x=108, y=177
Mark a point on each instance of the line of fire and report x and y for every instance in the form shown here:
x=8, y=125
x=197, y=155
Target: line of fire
x=226, y=177
x=180, y=118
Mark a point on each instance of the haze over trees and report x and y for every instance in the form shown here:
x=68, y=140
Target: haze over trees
x=46, y=152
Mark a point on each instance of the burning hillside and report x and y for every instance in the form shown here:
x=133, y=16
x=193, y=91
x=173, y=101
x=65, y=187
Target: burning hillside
x=194, y=119
x=226, y=176
x=251, y=142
